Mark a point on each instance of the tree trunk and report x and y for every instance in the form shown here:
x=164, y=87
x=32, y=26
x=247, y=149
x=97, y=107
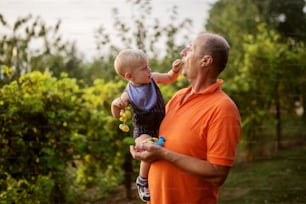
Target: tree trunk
x=278, y=121
x=57, y=196
x=128, y=174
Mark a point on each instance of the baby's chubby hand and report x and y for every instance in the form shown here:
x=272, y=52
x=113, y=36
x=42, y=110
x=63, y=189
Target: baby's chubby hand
x=118, y=102
x=177, y=65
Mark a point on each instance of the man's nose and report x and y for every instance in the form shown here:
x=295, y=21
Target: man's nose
x=184, y=52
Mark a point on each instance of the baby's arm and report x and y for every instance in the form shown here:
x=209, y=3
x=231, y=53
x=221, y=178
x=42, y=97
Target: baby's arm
x=119, y=103
x=171, y=76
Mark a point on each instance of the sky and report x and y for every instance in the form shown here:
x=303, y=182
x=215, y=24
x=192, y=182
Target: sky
x=81, y=18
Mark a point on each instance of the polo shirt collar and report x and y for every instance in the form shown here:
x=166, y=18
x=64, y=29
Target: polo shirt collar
x=209, y=90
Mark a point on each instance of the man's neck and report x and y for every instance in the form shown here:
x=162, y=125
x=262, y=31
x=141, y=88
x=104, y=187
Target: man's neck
x=202, y=85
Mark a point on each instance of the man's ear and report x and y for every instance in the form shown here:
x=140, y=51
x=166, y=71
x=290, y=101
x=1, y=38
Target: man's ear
x=206, y=60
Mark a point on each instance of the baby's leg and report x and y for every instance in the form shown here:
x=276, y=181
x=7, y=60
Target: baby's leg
x=142, y=179
x=142, y=138
x=144, y=166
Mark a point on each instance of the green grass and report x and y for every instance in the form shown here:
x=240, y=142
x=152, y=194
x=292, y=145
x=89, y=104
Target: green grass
x=277, y=179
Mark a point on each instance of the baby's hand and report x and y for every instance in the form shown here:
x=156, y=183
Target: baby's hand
x=118, y=102
x=177, y=65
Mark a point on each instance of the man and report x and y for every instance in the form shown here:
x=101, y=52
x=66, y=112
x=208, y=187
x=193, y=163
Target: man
x=201, y=128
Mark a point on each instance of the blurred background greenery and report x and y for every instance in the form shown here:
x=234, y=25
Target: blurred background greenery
x=59, y=143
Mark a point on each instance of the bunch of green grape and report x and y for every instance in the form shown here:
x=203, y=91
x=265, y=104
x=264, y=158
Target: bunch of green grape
x=125, y=116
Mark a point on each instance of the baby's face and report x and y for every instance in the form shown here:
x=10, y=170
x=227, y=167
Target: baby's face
x=141, y=73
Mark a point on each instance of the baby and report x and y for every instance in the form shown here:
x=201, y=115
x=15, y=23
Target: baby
x=143, y=94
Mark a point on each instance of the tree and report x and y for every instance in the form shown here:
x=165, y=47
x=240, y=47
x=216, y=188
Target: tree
x=262, y=63
x=20, y=50
x=262, y=76
x=233, y=19
x=142, y=32
x=288, y=17
x=57, y=136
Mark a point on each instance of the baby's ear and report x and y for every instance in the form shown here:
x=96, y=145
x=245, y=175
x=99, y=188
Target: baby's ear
x=128, y=76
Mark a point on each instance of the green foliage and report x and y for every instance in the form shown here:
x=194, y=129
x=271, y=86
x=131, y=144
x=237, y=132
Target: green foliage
x=22, y=191
x=269, y=71
x=58, y=140
x=233, y=19
x=54, y=131
x=287, y=17
x=264, y=74
x=101, y=68
x=30, y=45
x=133, y=33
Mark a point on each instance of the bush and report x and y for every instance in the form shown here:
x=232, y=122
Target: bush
x=54, y=133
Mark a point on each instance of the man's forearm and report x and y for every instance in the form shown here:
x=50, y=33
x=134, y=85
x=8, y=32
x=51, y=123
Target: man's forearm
x=212, y=173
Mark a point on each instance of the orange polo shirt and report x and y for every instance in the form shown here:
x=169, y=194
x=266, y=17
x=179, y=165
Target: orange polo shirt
x=206, y=126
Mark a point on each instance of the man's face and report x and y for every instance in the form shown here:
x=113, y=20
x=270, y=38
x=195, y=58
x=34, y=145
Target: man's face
x=191, y=60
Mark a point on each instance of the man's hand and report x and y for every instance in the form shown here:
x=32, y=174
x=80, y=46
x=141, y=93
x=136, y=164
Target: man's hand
x=148, y=152
x=212, y=173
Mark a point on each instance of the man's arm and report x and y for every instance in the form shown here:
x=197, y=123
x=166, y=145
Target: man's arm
x=212, y=173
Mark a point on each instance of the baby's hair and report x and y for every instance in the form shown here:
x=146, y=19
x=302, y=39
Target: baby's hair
x=127, y=59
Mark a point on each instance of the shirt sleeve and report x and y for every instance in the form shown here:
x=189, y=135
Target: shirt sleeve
x=222, y=139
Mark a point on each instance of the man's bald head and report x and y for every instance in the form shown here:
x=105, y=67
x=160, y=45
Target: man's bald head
x=216, y=46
